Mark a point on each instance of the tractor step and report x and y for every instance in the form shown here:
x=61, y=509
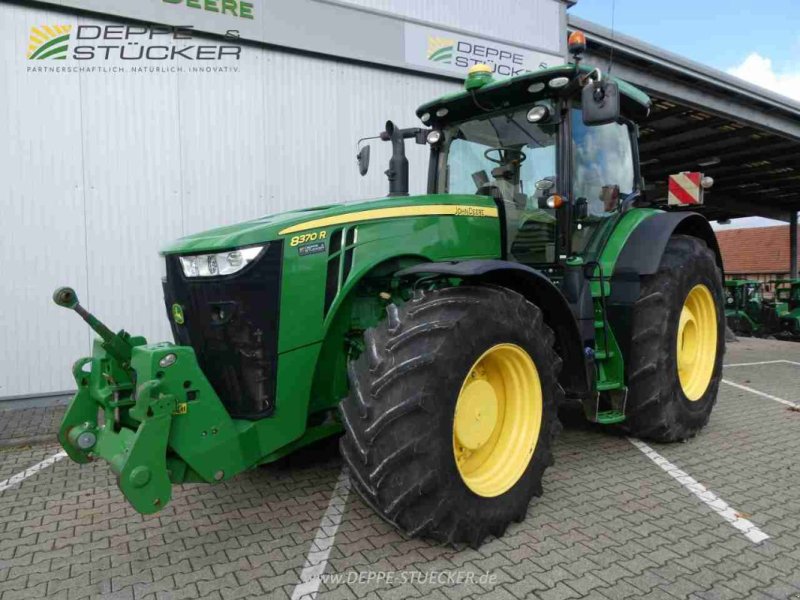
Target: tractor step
x=610, y=417
x=606, y=386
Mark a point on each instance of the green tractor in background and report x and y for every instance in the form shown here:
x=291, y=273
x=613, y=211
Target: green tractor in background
x=439, y=334
x=749, y=313
x=745, y=311
x=787, y=297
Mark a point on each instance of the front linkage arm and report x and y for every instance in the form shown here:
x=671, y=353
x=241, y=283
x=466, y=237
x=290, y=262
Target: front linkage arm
x=148, y=410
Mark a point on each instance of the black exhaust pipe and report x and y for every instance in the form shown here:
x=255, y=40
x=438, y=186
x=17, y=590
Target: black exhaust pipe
x=397, y=173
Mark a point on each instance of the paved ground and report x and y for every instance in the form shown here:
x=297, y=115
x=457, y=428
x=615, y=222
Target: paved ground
x=25, y=425
x=612, y=524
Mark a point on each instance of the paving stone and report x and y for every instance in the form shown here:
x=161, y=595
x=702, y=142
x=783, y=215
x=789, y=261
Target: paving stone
x=610, y=525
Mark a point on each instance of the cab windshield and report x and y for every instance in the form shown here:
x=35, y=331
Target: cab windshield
x=519, y=160
x=503, y=154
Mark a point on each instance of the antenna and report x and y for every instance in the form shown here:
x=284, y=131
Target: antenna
x=611, y=56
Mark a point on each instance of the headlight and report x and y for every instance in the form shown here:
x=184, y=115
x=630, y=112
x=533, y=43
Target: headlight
x=434, y=137
x=219, y=263
x=537, y=113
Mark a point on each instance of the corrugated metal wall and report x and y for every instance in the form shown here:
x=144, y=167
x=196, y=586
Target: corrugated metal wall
x=98, y=170
x=528, y=22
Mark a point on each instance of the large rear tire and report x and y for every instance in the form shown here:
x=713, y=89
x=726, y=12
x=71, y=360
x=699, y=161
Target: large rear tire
x=451, y=413
x=678, y=341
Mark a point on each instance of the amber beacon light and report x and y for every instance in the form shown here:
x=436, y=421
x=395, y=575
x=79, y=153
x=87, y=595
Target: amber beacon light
x=577, y=43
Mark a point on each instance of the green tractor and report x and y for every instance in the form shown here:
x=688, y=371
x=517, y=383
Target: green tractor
x=745, y=311
x=438, y=335
x=787, y=297
x=748, y=313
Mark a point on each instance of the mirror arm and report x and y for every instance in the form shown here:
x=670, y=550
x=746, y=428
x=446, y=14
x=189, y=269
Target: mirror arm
x=629, y=200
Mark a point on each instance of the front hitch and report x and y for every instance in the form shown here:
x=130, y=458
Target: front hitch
x=149, y=411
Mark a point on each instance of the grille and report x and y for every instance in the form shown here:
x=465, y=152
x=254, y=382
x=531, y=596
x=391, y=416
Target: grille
x=231, y=322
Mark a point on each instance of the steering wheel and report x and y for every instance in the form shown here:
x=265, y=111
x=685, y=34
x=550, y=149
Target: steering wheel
x=505, y=154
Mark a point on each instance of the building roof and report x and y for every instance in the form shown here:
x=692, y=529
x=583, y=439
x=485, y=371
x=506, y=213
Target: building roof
x=744, y=136
x=755, y=250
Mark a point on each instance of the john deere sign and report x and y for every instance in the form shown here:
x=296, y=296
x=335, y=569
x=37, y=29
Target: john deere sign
x=234, y=8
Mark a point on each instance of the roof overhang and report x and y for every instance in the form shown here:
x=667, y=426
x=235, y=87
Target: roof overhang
x=744, y=136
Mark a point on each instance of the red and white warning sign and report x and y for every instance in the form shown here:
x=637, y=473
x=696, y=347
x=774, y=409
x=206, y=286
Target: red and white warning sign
x=685, y=189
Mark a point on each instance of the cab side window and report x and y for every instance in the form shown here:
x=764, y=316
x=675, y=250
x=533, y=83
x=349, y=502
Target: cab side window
x=603, y=164
x=603, y=174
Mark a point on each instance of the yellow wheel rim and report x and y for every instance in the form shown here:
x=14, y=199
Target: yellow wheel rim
x=697, y=342
x=497, y=420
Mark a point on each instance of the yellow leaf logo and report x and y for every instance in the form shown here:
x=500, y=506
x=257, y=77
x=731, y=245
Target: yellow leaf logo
x=49, y=41
x=440, y=49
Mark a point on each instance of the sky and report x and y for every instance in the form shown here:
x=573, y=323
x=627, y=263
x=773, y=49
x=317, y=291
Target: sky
x=757, y=40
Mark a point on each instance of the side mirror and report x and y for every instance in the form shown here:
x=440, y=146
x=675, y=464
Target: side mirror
x=600, y=102
x=363, y=160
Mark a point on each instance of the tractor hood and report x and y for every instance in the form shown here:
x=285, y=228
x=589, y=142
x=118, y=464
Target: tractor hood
x=290, y=223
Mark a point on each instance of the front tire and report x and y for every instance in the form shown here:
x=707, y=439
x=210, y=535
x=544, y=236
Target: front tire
x=678, y=341
x=447, y=381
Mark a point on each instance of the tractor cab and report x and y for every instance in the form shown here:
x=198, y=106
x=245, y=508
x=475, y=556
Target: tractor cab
x=787, y=297
x=787, y=292
x=562, y=173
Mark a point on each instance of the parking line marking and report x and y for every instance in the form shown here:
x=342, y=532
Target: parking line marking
x=717, y=504
x=753, y=364
x=763, y=394
x=20, y=477
x=317, y=558
x=764, y=362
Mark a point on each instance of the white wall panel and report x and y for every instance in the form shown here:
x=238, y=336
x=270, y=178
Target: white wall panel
x=131, y=166
x=41, y=214
x=99, y=170
x=528, y=22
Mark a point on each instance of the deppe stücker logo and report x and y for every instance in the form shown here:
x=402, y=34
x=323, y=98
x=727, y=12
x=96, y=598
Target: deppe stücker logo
x=48, y=41
x=440, y=49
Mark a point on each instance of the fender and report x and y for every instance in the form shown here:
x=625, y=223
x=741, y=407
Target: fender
x=537, y=288
x=643, y=251
x=641, y=255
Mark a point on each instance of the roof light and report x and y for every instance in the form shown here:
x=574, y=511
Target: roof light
x=442, y=112
x=558, y=82
x=425, y=117
x=577, y=43
x=537, y=113
x=536, y=87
